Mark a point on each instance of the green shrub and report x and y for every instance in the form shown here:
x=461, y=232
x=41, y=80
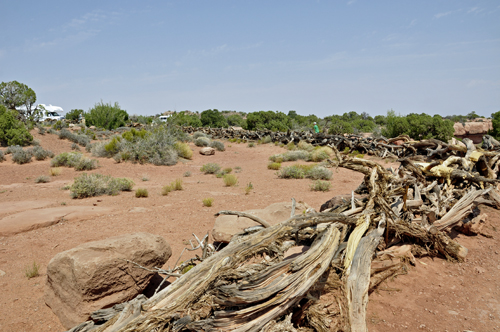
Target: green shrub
x=75, y=147
x=197, y=134
x=166, y=189
x=208, y=201
x=141, y=192
x=187, y=174
x=41, y=129
x=177, y=184
x=89, y=185
x=321, y=154
x=74, y=114
x=230, y=180
x=210, y=168
x=277, y=158
x=183, y=150
x=32, y=270
x=86, y=164
x=80, y=139
x=217, y=145
x=227, y=170
x=290, y=146
x=319, y=173
x=202, y=141
x=296, y=155
x=21, y=156
x=274, y=166
x=106, y=116
x=113, y=146
x=213, y=118
x=42, y=179
x=275, y=121
x=74, y=159
x=303, y=145
x=12, y=131
x=319, y=185
x=267, y=139
x=291, y=172
x=251, y=145
x=2, y=158
x=40, y=154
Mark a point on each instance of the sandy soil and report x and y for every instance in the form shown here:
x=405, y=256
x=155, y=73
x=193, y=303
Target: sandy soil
x=434, y=296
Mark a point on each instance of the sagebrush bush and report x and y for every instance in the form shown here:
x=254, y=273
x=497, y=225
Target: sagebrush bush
x=141, y=192
x=75, y=147
x=198, y=134
x=277, y=158
x=217, y=145
x=303, y=145
x=187, y=174
x=274, y=166
x=86, y=164
x=79, y=139
x=21, y=156
x=208, y=201
x=42, y=179
x=74, y=159
x=2, y=158
x=291, y=172
x=290, y=146
x=319, y=185
x=210, y=168
x=202, y=141
x=89, y=185
x=321, y=154
x=183, y=150
x=55, y=171
x=40, y=154
x=296, y=155
x=319, y=173
x=230, y=180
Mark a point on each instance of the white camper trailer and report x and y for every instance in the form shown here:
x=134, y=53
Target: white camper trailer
x=52, y=113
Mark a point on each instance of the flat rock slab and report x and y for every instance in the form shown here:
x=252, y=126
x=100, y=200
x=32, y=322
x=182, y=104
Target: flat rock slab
x=227, y=226
x=32, y=219
x=11, y=207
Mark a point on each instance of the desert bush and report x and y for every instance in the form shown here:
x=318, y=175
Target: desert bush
x=88, y=147
x=166, y=189
x=80, y=139
x=86, y=164
x=74, y=114
x=296, y=155
x=267, y=139
x=319, y=173
x=208, y=201
x=275, y=121
x=303, y=145
x=198, y=134
x=41, y=129
x=55, y=171
x=75, y=147
x=277, y=158
x=213, y=118
x=32, y=270
x=2, y=158
x=319, y=185
x=237, y=169
x=141, y=192
x=321, y=154
x=68, y=159
x=230, y=180
x=89, y=185
x=202, y=141
x=21, y=156
x=290, y=146
x=12, y=149
x=106, y=116
x=183, y=150
x=217, y=145
x=12, y=131
x=177, y=184
x=210, y=168
x=40, y=154
x=274, y=166
x=187, y=174
x=251, y=145
x=248, y=188
x=291, y=172
x=42, y=179
x=227, y=170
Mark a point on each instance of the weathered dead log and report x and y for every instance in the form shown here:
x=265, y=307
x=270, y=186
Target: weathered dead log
x=245, y=215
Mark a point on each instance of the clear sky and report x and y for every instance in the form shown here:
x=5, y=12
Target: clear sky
x=315, y=57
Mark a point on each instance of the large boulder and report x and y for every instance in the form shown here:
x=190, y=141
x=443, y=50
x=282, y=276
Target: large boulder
x=96, y=275
x=207, y=151
x=226, y=226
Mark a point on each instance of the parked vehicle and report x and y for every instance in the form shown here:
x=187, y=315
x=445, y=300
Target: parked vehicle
x=52, y=113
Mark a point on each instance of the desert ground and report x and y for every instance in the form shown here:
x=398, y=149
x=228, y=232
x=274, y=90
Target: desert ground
x=434, y=295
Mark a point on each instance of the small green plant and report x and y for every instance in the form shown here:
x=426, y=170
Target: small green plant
x=230, y=180
x=274, y=166
x=166, y=189
x=177, y=184
x=217, y=145
x=237, y=169
x=42, y=179
x=210, y=168
x=187, y=174
x=227, y=170
x=63, y=203
x=183, y=150
x=31, y=270
x=251, y=145
x=141, y=192
x=208, y=201
x=248, y=188
x=291, y=172
x=319, y=185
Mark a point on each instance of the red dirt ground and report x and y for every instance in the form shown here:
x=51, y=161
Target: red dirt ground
x=434, y=296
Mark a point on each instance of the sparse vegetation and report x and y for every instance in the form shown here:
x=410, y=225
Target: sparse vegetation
x=291, y=172
x=2, y=157
x=248, y=188
x=166, y=189
x=106, y=116
x=55, y=171
x=237, y=169
x=210, y=168
x=89, y=185
x=217, y=145
x=202, y=141
x=230, y=180
x=187, y=174
x=319, y=185
x=183, y=150
x=208, y=201
x=177, y=184
x=274, y=166
x=251, y=145
x=74, y=159
x=32, y=270
x=42, y=179
x=21, y=156
x=40, y=154
x=141, y=192
x=319, y=173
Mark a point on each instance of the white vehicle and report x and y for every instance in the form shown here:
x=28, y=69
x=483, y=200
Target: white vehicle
x=163, y=118
x=52, y=113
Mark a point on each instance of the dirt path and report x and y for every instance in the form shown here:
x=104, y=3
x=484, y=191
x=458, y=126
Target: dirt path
x=181, y=213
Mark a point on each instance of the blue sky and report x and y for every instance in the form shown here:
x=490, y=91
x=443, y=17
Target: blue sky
x=315, y=57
